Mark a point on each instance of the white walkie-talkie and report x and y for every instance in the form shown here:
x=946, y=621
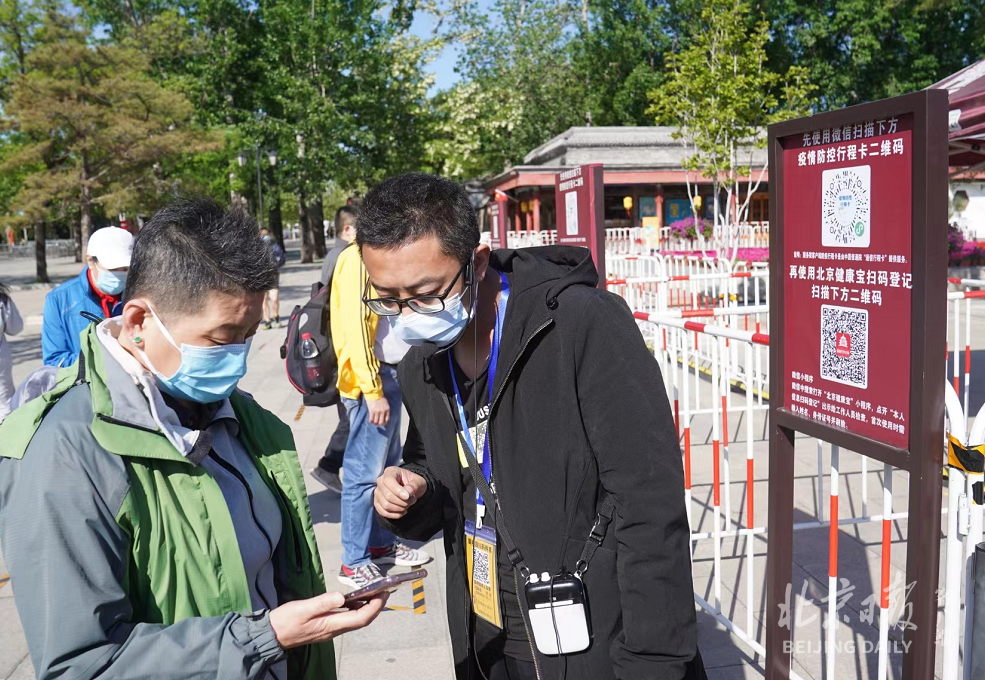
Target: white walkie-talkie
x=558, y=611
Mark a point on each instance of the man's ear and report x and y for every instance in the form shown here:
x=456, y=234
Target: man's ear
x=135, y=315
x=480, y=259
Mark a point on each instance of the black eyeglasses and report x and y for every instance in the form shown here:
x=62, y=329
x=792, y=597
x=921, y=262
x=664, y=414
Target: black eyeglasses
x=422, y=304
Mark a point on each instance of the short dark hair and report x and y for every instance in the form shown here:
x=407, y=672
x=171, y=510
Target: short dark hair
x=346, y=216
x=409, y=207
x=193, y=247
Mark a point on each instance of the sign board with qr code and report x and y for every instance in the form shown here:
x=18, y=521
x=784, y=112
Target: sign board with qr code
x=847, y=276
x=858, y=321
x=579, y=196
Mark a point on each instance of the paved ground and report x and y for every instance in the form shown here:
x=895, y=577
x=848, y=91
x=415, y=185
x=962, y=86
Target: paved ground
x=416, y=646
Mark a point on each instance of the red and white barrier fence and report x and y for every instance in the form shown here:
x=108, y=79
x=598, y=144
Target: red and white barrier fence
x=645, y=240
x=704, y=349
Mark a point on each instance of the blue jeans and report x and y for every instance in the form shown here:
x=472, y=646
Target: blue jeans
x=368, y=451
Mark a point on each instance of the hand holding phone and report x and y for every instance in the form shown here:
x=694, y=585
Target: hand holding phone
x=387, y=584
x=320, y=618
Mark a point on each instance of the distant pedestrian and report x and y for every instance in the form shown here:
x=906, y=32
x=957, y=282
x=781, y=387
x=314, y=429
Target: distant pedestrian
x=10, y=324
x=154, y=518
x=97, y=291
x=328, y=468
x=271, y=301
x=345, y=233
x=367, y=355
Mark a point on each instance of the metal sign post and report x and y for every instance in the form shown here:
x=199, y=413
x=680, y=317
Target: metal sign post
x=580, y=208
x=858, y=261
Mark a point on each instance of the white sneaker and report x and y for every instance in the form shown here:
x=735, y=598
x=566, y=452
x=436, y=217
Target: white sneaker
x=361, y=576
x=399, y=555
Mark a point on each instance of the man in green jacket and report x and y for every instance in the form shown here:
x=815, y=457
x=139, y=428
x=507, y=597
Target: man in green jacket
x=154, y=519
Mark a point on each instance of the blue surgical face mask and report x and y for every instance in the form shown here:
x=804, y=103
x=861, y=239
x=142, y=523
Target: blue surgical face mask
x=111, y=283
x=206, y=374
x=443, y=328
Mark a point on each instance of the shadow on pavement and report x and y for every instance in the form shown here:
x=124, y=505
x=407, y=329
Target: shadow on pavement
x=857, y=597
x=26, y=349
x=325, y=507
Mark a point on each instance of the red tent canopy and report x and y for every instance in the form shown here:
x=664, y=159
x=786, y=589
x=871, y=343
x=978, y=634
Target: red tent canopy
x=966, y=119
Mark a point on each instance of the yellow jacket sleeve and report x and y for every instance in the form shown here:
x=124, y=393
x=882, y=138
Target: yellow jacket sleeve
x=354, y=329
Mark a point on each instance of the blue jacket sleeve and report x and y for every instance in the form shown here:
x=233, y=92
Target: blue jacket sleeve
x=54, y=338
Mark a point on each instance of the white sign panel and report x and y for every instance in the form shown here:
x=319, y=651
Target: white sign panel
x=571, y=213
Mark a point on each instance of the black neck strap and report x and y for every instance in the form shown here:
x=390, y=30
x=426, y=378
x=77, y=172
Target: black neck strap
x=513, y=554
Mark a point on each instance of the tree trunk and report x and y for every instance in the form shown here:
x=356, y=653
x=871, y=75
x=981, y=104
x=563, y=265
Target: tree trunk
x=307, y=239
x=85, y=205
x=76, y=236
x=275, y=221
x=316, y=215
x=40, y=256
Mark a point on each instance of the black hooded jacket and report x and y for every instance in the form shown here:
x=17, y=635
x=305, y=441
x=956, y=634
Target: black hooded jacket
x=579, y=407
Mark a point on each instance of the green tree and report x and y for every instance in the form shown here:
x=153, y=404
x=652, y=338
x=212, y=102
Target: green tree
x=721, y=94
x=20, y=28
x=862, y=50
x=619, y=56
x=96, y=120
x=209, y=50
x=19, y=22
x=344, y=99
x=519, y=87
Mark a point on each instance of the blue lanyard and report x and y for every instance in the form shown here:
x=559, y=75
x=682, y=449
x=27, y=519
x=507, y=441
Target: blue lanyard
x=504, y=295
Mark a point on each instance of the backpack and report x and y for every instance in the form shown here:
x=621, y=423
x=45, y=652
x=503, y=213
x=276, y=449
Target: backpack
x=278, y=255
x=311, y=319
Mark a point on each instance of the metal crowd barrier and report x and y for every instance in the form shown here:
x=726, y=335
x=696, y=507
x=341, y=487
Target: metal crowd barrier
x=720, y=351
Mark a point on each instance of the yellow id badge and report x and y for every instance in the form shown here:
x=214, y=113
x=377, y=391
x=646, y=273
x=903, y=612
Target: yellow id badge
x=480, y=555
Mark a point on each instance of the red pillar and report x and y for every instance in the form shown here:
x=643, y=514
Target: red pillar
x=536, y=209
x=660, y=205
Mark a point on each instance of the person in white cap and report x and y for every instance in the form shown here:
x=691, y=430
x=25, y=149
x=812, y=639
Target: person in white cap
x=94, y=292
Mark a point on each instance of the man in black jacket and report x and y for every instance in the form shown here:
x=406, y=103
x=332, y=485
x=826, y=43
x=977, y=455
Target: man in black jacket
x=576, y=414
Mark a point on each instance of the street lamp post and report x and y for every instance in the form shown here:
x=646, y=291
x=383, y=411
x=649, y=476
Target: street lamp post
x=272, y=158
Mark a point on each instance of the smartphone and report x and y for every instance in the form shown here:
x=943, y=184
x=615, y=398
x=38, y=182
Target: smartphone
x=389, y=583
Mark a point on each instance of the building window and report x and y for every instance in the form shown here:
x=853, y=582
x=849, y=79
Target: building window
x=759, y=208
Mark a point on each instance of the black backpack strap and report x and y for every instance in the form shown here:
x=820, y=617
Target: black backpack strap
x=89, y=316
x=513, y=553
x=597, y=535
x=81, y=375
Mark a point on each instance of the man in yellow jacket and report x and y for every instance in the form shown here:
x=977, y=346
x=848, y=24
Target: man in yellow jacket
x=368, y=355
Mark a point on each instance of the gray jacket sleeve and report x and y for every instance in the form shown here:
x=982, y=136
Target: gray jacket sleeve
x=11, y=322
x=67, y=555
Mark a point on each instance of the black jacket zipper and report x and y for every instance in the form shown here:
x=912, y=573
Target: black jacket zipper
x=523, y=351
x=249, y=492
x=298, y=568
x=123, y=423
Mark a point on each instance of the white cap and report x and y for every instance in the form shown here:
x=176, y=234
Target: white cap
x=112, y=246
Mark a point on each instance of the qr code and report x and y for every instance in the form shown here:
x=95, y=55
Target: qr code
x=845, y=345
x=480, y=568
